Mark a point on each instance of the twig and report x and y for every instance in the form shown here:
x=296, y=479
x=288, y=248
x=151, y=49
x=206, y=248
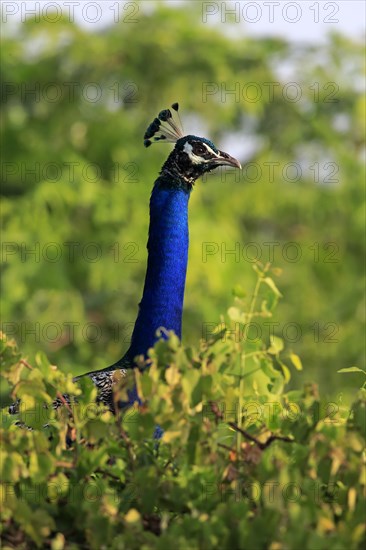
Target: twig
x=64, y=464
x=261, y=445
x=26, y=364
x=64, y=402
x=99, y=471
x=225, y=447
x=216, y=411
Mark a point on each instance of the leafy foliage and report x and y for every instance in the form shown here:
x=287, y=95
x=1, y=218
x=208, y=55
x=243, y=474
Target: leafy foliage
x=241, y=464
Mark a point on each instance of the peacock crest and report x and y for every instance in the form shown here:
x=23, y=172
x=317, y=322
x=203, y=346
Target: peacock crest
x=165, y=127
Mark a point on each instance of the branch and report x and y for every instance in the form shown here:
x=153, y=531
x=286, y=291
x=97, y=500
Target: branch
x=65, y=403
x=26, y=364
x=261, y=445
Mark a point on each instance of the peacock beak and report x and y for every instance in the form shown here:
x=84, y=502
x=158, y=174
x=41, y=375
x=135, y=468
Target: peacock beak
x=226, y=159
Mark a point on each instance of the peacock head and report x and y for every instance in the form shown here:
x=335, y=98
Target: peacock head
x=192, y=156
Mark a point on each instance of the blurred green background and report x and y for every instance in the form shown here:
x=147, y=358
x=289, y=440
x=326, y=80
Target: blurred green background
x=76, y=181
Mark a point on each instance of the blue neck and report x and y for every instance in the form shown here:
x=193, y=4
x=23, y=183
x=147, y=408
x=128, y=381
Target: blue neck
x=162, y=300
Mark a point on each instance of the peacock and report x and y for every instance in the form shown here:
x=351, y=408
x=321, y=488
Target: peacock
x=168, y=239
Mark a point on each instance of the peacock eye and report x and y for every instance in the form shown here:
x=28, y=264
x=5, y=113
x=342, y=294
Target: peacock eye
x=199, y=149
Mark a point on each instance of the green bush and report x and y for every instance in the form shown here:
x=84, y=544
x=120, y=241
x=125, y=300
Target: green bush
x=282, y=474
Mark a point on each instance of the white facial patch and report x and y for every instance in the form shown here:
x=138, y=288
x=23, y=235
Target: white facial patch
x=195, y=159
x=189, y=150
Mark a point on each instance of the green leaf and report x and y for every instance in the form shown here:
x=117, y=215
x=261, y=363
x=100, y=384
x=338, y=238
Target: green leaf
x=190, y=381
x=268, y=369
x=172, y=375
x=276, y=345
x=277, y=387
x=236, y=315
x=286, y=372
x=296, y=361
x=351, y=369
x=43, y=363
x=239, y=291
